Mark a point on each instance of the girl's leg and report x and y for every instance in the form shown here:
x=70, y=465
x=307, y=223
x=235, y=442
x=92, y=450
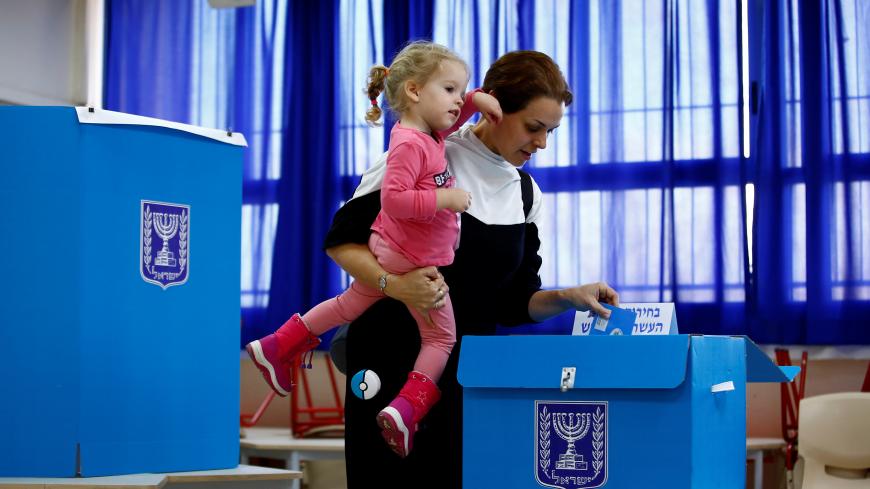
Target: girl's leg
x=275, y=354
x=399, y=420
x=437, y=339
x=341, y=309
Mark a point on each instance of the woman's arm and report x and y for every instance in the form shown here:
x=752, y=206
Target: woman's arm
x=545, y=304
x=421, y=289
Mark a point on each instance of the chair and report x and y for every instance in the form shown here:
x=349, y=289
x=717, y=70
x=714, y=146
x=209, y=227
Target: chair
x=866, y=386
x=835, y=441
x=306, y=418
x=791, y=394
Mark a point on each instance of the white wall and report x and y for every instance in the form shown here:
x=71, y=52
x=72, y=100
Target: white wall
x=43, y=52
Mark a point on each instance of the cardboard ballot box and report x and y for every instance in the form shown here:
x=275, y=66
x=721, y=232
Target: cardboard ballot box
x=621, y=412
x=119, y=304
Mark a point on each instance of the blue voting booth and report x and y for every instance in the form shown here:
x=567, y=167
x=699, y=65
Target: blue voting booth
x=119, y=317
x=620, y=412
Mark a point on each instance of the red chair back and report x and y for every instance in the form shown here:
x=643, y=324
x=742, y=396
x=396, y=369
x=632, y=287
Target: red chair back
x=866, y=386
x=308, y=419
x=791, y=394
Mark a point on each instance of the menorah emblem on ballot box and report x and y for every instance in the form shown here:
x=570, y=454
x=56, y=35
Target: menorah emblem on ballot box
x=560, y=461
x=171, y=224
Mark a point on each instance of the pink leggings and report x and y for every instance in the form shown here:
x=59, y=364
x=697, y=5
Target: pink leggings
x=437, y=339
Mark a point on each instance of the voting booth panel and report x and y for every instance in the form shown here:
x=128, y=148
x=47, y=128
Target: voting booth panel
x=120, y=305
x=607, y=411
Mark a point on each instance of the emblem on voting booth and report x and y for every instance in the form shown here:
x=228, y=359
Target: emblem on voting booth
x=571, y=444
x=164, y=244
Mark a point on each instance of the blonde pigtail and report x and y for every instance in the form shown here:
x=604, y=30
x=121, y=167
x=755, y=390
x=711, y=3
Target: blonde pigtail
x=375, y=86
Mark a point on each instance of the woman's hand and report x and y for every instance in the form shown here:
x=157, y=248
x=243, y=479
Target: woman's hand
x=590, y=296
x=423, y=289
x=545, y=304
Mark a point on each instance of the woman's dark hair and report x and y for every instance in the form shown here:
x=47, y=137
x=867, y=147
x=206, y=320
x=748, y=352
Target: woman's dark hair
x=519, y=77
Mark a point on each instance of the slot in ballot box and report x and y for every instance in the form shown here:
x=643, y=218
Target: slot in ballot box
x=119, y=317
x=620, y=412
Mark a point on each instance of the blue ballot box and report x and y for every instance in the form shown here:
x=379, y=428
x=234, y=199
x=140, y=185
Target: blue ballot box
x=119, y=304
x=620, y=412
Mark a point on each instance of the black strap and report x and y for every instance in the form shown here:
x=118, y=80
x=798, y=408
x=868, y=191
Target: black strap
x=528, y=191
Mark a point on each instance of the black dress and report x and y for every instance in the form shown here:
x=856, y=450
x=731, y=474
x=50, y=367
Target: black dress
x=491, y=280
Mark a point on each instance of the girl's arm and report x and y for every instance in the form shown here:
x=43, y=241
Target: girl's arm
x=400, y=197
x=475, y=101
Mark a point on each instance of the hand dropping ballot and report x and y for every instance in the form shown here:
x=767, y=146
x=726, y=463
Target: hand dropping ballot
x=636, y=318
x=620, y=321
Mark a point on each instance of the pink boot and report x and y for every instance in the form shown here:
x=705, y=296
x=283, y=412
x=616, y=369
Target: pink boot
x=275, y=354
x=398, y=421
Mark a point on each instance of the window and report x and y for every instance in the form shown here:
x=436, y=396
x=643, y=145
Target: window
x=646, y=182
x=216, y=83
x=849, y=251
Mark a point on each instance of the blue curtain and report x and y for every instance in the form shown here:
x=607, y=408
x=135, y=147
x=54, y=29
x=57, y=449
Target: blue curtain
x=302, y=275
x=360, y=47
x=148, y=58
x=812, y=169
x=404, y=21
x=481, y=31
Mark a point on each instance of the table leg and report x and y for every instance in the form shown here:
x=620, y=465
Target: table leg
x=757, y=457
x=293, y=463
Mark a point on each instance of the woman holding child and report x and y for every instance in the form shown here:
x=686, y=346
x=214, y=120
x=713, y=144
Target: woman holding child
x=493, y=279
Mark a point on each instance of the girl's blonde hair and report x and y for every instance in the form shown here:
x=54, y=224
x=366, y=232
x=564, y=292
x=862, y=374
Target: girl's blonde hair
x=417, y=61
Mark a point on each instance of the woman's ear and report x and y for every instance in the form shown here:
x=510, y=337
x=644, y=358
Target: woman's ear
x=412, y=91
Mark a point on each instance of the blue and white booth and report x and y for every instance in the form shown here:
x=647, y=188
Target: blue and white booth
x=620, y=412
x=120, y=294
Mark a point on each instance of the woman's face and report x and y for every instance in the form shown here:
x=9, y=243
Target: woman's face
x=519, y=135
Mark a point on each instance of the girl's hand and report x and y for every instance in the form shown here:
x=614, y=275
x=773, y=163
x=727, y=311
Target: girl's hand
x=455, y=199
x=590, y=296
x=422, y=289
x=488, y=106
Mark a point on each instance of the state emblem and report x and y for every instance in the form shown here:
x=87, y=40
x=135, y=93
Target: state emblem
x=164, y=243
x=571, y=444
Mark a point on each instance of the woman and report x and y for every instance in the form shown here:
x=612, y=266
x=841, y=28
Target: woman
x=493, y=279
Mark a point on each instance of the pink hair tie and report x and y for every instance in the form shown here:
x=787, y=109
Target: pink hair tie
x=374, y=102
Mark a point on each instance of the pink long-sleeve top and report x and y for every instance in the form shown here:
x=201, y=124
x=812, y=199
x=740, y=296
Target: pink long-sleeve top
x=409, y=220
